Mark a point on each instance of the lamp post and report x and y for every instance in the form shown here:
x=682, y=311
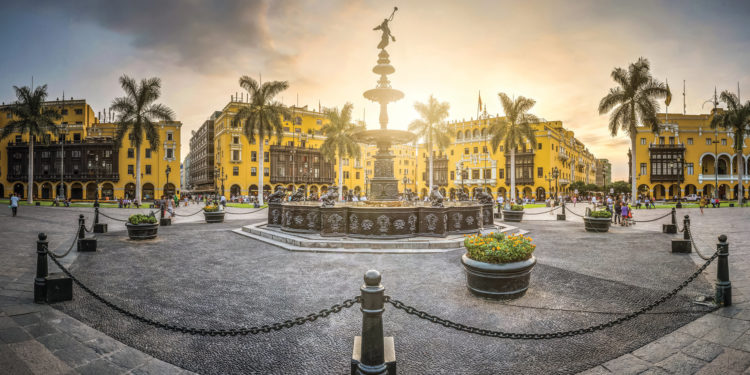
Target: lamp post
x=715, y=141
x=405, y=180
x=166, y=171
x=549, y=182
x=367, y=184
x=555, y=175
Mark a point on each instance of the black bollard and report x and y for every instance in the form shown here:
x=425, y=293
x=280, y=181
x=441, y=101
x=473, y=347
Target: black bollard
x=683, y=245
x=40, y=281
x=723, y=296
x=163, y=221
x=98, y=227
x=84, y=244
x=671, y=228
x=562, y=215
x=373, y=354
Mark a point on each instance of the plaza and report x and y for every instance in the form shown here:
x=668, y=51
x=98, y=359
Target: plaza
x=204, y=276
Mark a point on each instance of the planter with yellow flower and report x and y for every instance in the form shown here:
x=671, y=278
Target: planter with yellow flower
x=498, y=266
x=212, y=214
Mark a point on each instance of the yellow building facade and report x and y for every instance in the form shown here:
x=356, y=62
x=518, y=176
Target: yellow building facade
x=688, y=157
x=84, y=161
x=469, y=162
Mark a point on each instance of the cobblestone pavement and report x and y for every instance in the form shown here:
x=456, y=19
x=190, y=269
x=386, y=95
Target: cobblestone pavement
x=203, y=275
x=38, y=339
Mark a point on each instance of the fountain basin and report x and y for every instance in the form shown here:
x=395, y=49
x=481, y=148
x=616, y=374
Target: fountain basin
x=378, y=220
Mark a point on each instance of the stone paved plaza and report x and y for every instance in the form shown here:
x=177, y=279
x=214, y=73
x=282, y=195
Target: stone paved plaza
x=205, y=276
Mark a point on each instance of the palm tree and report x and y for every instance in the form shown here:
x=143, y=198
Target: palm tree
x=431, y=127
x=262, y=118
x=633, y=102
x=340, y=141
x=30, y=115
x=513, y=130
x=737, y=120
x=138, y=116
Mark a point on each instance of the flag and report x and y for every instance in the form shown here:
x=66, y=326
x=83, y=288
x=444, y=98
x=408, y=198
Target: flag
x=669, y=96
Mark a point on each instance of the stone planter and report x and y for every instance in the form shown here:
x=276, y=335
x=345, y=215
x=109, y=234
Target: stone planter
x=509, y=215
x=498, y=281
x=596, y=224
x=214, y=217
x=142, y=231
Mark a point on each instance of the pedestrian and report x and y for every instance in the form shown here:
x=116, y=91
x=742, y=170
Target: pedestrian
x=625, y=211
x=170, y=207
x=702, y=204
x=618, y=212
x=14, y=204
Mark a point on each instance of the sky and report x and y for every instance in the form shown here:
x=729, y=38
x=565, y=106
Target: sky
x=560, y=53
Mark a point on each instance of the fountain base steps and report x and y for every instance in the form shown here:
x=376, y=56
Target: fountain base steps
x=317, y=244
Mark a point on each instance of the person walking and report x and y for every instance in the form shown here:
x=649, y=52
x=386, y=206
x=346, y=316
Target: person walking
x=618, y=212
x=624, y=210
x=14, y=204
x=702, y=204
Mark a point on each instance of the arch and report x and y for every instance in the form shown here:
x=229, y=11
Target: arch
x=108, y=191
x=76, y=191
x=735, y=191
x=424, y=191
x=252, y=190
x=91, y=191
x=541, y=193
x=527, y=193
x=459, y=135
x=235, y=191
x=19, y=190
x=47, y=190
x=61, y=190
x=467, y=134
x=290, y=188
x=344, y=188
x=724, y=164
x=690, y=189
x=357, y=190
x=129, y=191
x=674, y=190
x=2, y=191
x=644, y=189
x=35, y=190
x=707, y=163
x=313, y=189
x=708, y=190
x=484, y=132
x=723, y=191
x=659, y=191
x=501, y=191
x=475, y=133
x=442, y=192
x=323, y=189
x=147, y=192
x=266, y=188
x=277, y=186
x=169, y=189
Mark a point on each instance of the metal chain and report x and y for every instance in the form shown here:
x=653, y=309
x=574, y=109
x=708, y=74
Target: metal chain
x=53, y=255
x=266, y=328
x=112, y=218
x=544, y=336
x=650, y=220
x=692, y=241
x=573, y=212
x=193, y=214
x=539, y=213
x=244, y=213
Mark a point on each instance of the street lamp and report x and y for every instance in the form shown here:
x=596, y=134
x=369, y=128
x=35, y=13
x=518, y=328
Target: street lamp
x=715, y=141
x=555, y=175
x=219, y=175
x=549, y=182
x=166, y=171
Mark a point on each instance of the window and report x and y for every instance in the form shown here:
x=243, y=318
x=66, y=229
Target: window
x=148, y=168
x=453, y=175
x=286, y=129
x=466, y=151
x=475, y=174
x=708, y=141
x=643, y=169
x=131, y=153
x=356, y=175
x=235, y=171
x=319, y=121
x=643, y=141
x=346, y=162
x=488, y=173
x=724, y=142
x=148, y=153
x=476, y=150
x=451, y=152
x=346, y=174
x=690, y=141
x=671, y=140
x=170, y=137
x=539, y=146
x=265, y=157
x=131, y=169
x=77, y=137
x=9, y=115
x=64, y=112
x=253, y=171
x=18, y=139
x=45, y=154
x=501, y=148
x=170, y=153
x=661, y=140
x=290, y=143
x=235, y=140
x=540, y=172
x=253, y=156
x=235, y=155
x=79, y=111
x=500, y=173
x=266, y=172
x=75, y=153
x=690, y=169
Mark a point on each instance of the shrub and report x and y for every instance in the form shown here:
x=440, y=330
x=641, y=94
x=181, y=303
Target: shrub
x=211, y=208
x=516, y=207
x=141, y=219
x=497, y=248
x=601, y=214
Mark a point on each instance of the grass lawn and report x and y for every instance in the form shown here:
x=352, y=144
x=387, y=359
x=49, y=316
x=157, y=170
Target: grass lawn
x=74, y=204
x=244, y=205
x=534, y=205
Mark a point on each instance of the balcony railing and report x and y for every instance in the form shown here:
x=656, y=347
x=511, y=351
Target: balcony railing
x=677, y=146
x=722, y=177
x=521, y=180
x=66, y=177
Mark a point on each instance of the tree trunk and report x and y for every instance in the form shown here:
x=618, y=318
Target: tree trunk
x=429, y=151
x=341, y=178
x=30, y=187
x=633, y=170
x=261, y=170
x=512, y=175
x=740, y=170
x=138, y=188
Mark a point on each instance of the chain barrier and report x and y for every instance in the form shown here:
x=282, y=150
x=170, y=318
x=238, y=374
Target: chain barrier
x=266, y=328
x=650, y=220
x=111, y=218
x=75, y=240
x=544, y=336
x=193, y=214
x=692, y=241
x=573, y=212
x=539, y=213
x=243, y=213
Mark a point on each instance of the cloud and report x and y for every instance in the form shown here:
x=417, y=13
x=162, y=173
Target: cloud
x=203, y=35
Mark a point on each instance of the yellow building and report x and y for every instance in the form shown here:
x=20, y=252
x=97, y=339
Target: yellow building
x=84, y=161
x=294, y=161
x=469, y=162
x=688, y=157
